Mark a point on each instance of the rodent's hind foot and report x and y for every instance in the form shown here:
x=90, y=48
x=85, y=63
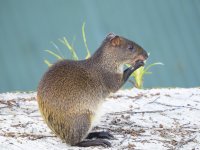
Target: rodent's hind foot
x=96, y=142
x=100, y=135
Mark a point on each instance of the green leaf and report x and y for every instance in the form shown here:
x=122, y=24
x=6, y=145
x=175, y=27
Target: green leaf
x=71, y=49
x=47, y=62
x=54, y=54
x=85, y=41
x=151, y=65
x=148, y=73
x=57, y=49
x=139, y=74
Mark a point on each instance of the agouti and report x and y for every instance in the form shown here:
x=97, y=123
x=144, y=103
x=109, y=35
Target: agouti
x=70, y=92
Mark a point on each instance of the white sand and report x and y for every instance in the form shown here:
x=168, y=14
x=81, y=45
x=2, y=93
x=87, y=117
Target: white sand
x=139, y=119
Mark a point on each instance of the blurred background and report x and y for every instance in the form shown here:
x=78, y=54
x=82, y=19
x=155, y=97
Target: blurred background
x=168, y=29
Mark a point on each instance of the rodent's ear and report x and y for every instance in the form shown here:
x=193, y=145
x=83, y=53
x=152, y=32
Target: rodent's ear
x=110, y=35
x=115, y=41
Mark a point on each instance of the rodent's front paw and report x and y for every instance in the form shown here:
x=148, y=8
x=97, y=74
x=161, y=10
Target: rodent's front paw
x=138, y=64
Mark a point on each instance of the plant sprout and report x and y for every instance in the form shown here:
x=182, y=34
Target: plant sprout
x=140, y=72
x=70, y=48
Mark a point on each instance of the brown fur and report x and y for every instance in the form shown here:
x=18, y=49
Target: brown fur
x=70, y=92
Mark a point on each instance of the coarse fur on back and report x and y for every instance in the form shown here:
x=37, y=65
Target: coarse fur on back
x=71, y=92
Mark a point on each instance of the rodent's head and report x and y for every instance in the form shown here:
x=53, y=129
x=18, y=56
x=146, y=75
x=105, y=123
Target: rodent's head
x=124, y=50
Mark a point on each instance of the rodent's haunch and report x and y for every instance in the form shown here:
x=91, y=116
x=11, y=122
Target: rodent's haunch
x=70, y=92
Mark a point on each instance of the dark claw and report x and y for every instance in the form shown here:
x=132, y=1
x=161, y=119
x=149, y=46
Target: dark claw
x=138, y=64
x=100, y=135
x=97, y=142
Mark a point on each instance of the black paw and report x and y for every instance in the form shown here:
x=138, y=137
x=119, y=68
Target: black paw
x=138, y=64
x=97, y=142
x=100, y=135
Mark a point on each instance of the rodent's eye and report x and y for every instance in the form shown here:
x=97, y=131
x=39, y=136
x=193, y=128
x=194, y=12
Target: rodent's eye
x=131, y=47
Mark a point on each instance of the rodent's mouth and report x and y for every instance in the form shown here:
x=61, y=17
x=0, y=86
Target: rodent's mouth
x=140, y=59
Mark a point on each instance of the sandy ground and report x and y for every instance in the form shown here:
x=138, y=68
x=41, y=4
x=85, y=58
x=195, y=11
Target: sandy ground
x=139, y=119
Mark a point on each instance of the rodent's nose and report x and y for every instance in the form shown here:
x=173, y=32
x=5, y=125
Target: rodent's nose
x=145, y=54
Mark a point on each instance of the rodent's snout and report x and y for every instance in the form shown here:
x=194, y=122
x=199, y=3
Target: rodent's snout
x=145, y=54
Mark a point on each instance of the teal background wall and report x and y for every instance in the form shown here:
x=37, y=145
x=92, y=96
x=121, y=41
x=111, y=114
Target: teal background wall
x=168, y=29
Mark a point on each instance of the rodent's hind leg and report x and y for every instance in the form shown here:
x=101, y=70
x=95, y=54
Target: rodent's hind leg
x=79, y=126
x=96, y=142
x=100, y=135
